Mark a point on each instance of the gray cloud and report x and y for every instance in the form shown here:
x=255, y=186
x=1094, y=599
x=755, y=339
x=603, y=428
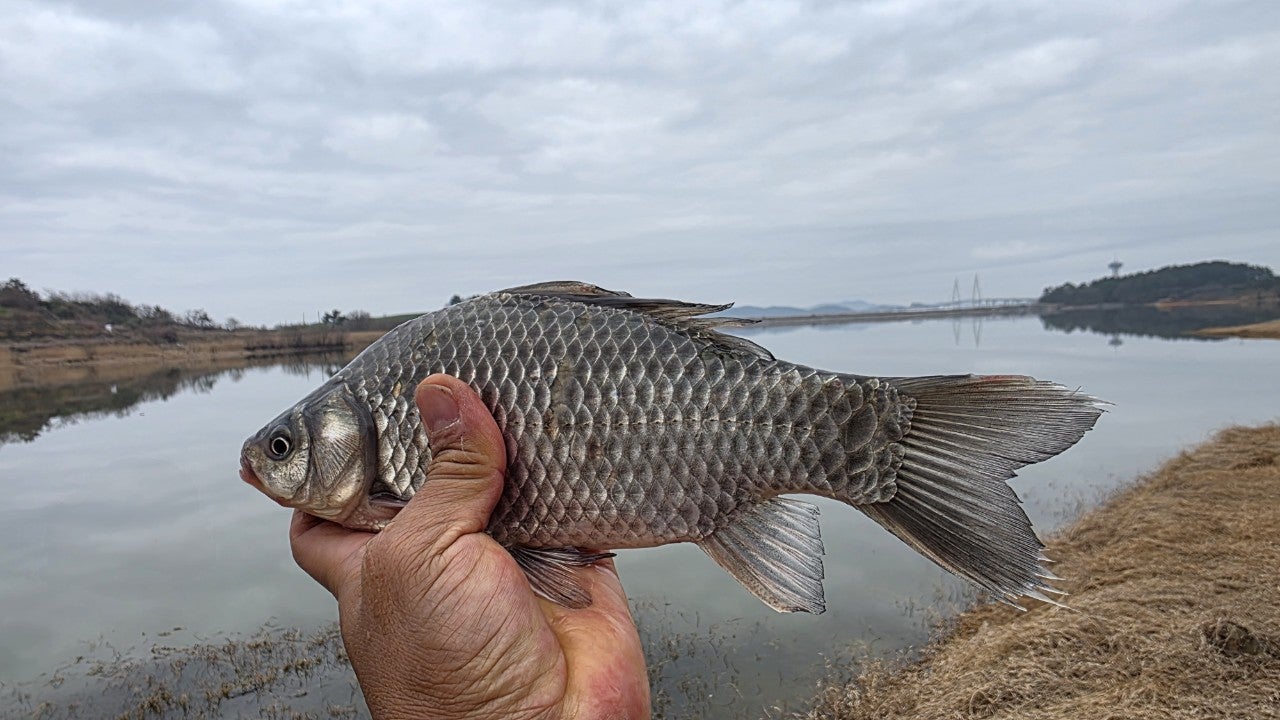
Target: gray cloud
x=269, y=159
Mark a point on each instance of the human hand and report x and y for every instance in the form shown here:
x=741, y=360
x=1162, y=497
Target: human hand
x=439, y=620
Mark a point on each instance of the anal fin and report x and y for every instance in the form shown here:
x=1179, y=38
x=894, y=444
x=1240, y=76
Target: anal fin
x=552, y=572
x=774, y=549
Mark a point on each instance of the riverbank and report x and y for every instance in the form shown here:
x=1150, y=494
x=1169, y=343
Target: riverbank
x=1173, y=611
x=1269, y=330
x=68, y=362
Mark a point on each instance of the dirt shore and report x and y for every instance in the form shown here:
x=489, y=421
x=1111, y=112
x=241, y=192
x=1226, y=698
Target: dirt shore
x=1270, y=330
x=1173, y=611
x=60, y=363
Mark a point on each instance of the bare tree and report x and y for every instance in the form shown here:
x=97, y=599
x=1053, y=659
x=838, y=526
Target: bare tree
x=199, y=318
x=358, y=320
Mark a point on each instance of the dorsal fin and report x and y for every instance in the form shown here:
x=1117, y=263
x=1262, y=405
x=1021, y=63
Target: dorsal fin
x=685, y=316
x=564, y=287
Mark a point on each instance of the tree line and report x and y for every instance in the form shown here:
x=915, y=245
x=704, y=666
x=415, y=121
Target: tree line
x=106, y=308
x=29, y=315
x=1213, y=280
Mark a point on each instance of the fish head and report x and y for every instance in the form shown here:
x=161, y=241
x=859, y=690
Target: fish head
x=318, y=456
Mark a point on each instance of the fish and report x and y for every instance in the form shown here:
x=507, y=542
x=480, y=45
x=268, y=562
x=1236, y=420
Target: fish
x=633, y=422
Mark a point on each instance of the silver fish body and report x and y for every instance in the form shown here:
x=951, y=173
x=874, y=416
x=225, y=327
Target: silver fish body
x=635, y=423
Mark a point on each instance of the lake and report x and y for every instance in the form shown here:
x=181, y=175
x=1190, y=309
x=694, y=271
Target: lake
x=124, y=520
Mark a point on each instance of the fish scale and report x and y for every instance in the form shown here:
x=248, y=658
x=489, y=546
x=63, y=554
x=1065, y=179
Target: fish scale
x=633, y=423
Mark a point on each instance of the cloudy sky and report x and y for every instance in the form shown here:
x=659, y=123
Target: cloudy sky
x=268, y=159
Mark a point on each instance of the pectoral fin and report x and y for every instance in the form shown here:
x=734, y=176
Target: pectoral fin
x=552, y=572
x=775, y=550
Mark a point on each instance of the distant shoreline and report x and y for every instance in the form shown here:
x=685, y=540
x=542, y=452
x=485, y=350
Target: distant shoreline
x=924, y=313
x=45, y=361
x=1171, y=610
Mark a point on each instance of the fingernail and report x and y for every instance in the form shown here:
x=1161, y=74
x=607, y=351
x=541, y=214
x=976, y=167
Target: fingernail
x=437, y=407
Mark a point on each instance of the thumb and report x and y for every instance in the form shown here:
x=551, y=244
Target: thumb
x=468, y=461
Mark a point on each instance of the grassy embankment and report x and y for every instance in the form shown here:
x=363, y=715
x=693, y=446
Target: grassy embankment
x=1173, y=613
x=70, y=361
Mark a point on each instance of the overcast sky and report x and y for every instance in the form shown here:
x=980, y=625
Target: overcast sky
x=270, y=159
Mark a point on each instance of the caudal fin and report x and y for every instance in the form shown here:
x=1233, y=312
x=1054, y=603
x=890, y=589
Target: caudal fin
x=968, y=435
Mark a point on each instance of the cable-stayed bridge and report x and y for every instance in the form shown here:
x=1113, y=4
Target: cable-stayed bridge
x=959, y=306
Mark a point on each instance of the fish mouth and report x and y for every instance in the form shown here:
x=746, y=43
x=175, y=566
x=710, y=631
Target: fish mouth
x=249, y=476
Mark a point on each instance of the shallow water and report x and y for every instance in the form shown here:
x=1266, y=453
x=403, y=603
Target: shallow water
x=125, y=519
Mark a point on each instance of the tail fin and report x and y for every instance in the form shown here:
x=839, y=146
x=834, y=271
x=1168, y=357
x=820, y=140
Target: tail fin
x=968, y=435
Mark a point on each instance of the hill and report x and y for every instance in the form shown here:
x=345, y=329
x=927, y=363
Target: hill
x=1201, y=282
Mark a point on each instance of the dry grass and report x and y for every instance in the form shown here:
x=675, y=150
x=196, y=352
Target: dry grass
x=1269, y=329
x=1174, y=611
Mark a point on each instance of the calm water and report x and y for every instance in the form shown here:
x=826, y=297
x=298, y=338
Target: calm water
x=126, y=518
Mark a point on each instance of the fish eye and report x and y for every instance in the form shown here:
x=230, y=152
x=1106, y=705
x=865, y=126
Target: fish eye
x=280, y=445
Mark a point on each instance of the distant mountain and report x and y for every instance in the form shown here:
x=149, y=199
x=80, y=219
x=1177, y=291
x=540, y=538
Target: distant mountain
x=753, y=311
x=864, y=306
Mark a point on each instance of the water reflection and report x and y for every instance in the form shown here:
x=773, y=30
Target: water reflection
x=30, y=411
x=1148, y=321
x=975, y=326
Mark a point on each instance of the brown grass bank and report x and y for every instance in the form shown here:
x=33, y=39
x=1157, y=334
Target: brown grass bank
x=66, y=362
x=1174, y=613
x=1269, y=329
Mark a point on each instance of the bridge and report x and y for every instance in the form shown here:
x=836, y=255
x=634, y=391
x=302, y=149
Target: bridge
x=974, y=306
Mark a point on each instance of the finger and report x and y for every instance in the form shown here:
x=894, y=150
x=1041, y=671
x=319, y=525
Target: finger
x=328, y=552
x=468, y=461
